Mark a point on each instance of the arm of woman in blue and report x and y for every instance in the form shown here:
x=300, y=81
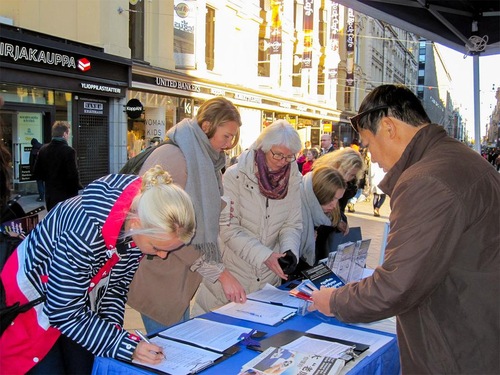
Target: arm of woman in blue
x=68, y=305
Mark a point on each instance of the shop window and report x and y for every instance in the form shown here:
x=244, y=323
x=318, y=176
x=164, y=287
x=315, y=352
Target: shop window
x=210, y=38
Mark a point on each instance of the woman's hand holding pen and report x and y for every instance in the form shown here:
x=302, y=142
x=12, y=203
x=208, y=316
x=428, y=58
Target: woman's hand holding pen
x=148, y=353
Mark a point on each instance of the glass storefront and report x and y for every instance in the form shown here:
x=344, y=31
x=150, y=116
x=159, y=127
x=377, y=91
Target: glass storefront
x=28, y=113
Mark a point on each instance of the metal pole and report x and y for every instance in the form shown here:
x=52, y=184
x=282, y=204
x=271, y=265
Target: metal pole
x=477, y=109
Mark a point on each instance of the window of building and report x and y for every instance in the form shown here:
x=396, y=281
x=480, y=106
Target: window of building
x=136, y=30
x=347, y=98
x=264, y=63
x=210, y=38
x=298, y=46
x=321, y=76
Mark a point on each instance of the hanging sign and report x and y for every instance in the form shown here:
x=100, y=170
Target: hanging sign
x=134, y=108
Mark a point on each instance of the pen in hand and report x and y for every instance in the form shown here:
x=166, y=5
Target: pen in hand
x=145, y=339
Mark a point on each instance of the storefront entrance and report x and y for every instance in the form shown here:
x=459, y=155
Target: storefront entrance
x=19, y=127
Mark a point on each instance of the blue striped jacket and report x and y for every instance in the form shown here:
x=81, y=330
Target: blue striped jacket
x=69, y=247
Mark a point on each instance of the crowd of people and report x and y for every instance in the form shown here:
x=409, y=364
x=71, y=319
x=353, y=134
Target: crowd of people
x=189, y=234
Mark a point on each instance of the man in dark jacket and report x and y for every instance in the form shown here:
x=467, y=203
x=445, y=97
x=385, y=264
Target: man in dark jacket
x=56, y=166
x=440, y=275
x=35, y=149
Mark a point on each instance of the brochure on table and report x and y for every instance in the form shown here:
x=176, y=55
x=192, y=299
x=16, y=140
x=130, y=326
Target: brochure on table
x=349, y=261
x=286, y=361
x=259, y=312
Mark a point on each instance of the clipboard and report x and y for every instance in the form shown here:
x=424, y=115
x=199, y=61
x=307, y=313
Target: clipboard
x=289, y=335
x=196, y=369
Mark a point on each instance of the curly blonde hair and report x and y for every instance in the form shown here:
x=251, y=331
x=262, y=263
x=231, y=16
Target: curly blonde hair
x=163, y=207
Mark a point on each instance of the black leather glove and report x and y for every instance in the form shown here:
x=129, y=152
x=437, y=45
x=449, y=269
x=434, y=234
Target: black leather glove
x=288, y=263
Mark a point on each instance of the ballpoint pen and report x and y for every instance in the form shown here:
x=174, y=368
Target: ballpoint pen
x=249, y=313
x=145, y=339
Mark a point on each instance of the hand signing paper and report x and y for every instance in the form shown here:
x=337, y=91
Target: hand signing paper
x=148, y=353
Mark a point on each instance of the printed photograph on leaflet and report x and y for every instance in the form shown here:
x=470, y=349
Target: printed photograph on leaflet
x=281, y=361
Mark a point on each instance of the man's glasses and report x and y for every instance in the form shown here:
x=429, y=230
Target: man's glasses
x=355, y=119
x=280, y=156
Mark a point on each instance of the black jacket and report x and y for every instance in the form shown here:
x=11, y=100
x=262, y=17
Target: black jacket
x=56, y=165
x=35, y=148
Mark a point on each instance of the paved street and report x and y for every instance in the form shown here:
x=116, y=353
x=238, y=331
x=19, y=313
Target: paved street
x=371, y=227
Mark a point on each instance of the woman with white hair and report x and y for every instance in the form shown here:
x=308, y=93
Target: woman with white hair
x=263, y=220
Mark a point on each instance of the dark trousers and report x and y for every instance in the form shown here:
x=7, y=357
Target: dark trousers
x=378, y=200
x=65, y=357
x=41, y=189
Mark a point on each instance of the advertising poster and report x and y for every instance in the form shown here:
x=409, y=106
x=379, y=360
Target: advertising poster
x=350, y=40
x=308, y=31
x=184, y=33
x=275, y=42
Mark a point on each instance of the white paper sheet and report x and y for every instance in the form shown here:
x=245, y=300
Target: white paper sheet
x=349, y=334
x=271, y=294
x=258, y=312
x=386, y=325
x=206, y=333
x=309, y=345
x=182, y=359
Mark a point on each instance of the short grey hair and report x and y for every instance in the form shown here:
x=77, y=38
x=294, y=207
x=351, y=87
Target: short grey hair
x=279, y=133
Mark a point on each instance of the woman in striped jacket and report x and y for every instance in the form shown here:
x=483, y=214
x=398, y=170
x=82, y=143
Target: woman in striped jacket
x=82, y=257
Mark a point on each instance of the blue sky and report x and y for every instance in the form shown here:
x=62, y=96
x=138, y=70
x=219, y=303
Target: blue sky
x=461, y=71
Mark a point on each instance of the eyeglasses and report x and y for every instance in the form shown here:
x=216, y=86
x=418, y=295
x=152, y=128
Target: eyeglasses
x=280, y=156
x=355, y=119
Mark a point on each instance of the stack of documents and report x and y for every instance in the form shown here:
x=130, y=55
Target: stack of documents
x=271, y=294
x=196, y=344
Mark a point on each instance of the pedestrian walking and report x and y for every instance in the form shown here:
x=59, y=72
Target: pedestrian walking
x=56, y=166
x=35, y=148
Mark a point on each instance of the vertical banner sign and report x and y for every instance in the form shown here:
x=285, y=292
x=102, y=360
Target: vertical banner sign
x=276, y=6
x=155, y=124
x=334, y=39
x=334, y=27
x=350, y=48
x=184, y=29
x=308, y=30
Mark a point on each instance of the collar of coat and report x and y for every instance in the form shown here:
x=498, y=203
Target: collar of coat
x=425, y=139
x=114, y=222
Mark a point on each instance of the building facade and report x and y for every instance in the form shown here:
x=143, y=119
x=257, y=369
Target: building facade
x=153, y=63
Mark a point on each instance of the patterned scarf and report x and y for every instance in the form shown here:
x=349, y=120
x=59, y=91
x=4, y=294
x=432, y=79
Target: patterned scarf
x=204, y=184
x=272, y=184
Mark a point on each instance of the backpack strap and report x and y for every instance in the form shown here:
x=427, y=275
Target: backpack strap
x=134, y=164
